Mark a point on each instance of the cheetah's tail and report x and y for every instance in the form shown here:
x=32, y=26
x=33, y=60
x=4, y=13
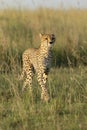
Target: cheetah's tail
x=20, y=77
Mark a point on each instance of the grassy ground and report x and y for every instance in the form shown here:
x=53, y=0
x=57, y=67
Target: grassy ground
x=68, y=77
x=66, y=111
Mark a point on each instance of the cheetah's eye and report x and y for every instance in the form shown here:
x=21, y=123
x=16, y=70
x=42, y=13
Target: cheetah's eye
x=46, y=38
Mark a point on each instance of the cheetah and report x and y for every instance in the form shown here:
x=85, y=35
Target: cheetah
x=38, y=61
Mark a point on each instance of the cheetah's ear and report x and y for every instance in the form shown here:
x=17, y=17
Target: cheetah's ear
x=40, y=34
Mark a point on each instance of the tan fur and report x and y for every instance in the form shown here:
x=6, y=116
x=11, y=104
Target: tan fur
x=39, y=61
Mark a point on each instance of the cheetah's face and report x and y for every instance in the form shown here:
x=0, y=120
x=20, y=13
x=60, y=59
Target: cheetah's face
x=47, y=39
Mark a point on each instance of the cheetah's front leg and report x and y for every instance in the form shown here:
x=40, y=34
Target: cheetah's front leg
x=42, y=79
x=29, y=78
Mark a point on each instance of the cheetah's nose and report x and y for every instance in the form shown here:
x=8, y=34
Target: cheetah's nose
x=51, y=42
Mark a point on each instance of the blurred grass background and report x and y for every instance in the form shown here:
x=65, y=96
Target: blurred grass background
x=67, y=82
x=20, y=30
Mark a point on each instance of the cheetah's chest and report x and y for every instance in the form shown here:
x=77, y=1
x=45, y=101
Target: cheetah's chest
x=45, y=61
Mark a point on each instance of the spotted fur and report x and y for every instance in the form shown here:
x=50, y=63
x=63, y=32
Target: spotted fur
x=39, y=61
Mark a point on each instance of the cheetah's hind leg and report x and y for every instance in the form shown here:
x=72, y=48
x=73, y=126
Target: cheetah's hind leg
x=29, y=78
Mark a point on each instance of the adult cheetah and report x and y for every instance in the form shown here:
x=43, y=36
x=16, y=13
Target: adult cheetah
x=39, y=61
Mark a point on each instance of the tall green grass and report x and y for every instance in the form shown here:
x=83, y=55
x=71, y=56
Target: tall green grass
x=67, y=81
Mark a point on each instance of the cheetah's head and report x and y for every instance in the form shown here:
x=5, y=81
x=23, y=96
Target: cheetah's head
x=47, y=39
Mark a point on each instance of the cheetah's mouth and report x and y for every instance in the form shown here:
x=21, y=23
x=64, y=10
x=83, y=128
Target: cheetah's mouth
x=53, y=40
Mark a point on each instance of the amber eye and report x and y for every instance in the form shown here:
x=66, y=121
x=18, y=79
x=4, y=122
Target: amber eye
x=46, y=38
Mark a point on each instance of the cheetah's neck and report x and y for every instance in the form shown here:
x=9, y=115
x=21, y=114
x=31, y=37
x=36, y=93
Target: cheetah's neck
x=45, y=51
